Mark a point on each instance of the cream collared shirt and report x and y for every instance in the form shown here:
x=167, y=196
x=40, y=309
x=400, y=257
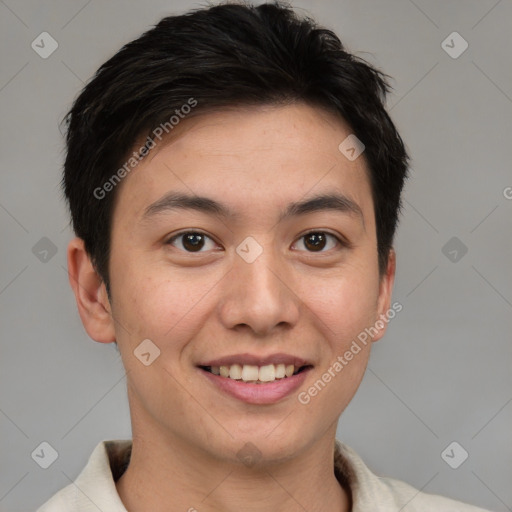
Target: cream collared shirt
x=94, y=489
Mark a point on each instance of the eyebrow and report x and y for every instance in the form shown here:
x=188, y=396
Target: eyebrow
x=323, y=202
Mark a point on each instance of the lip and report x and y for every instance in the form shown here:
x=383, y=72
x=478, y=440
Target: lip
x=278, y=358
x=258, y=394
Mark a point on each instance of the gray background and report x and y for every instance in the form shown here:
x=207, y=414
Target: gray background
x=443, y=371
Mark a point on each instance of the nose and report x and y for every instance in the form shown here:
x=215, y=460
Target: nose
x=259, y=296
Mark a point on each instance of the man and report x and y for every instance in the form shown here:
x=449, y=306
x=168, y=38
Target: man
x=234, y=183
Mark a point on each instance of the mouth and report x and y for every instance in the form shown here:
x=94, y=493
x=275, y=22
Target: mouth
x=256, y=380
x=254, y=374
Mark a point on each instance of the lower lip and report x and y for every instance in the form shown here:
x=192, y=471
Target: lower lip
x=259, y=394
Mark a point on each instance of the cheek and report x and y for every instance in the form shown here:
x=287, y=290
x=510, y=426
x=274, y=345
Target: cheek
x=161, y=311
x=345, y=304
x=154, y=304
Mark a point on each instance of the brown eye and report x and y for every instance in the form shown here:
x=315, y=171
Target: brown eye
x=316, y=241
x=191, y=241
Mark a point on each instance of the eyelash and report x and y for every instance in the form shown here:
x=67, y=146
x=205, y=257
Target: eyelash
x=340, y=241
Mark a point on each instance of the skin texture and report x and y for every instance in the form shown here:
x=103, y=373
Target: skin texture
x=199, y=306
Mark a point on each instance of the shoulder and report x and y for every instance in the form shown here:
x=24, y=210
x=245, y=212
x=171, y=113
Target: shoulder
x=410, y=499
x=95, y=486
x=62, y=501
x=372, y=492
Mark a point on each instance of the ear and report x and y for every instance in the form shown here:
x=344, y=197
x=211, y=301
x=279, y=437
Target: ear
x=385, y=291
x=90, y=293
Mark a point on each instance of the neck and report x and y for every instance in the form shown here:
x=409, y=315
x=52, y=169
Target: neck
x=171, y=477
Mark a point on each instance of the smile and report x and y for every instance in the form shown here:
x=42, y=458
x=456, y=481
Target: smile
x=255, y=379
x=255, y=374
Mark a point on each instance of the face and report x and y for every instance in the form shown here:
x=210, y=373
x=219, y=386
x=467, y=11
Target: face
x=247, y=282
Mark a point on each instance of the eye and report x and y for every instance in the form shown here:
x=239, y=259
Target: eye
x=316, y=241
x=190, y=241
x=194, y=241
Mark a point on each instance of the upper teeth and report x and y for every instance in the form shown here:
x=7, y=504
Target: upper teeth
x=252, y=373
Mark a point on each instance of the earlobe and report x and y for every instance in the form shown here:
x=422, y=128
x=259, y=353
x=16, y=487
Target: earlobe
x=385, y=292
x=90, y=294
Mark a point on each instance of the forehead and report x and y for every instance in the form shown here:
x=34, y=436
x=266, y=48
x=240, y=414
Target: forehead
x=254, y=156
x=285, y=133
